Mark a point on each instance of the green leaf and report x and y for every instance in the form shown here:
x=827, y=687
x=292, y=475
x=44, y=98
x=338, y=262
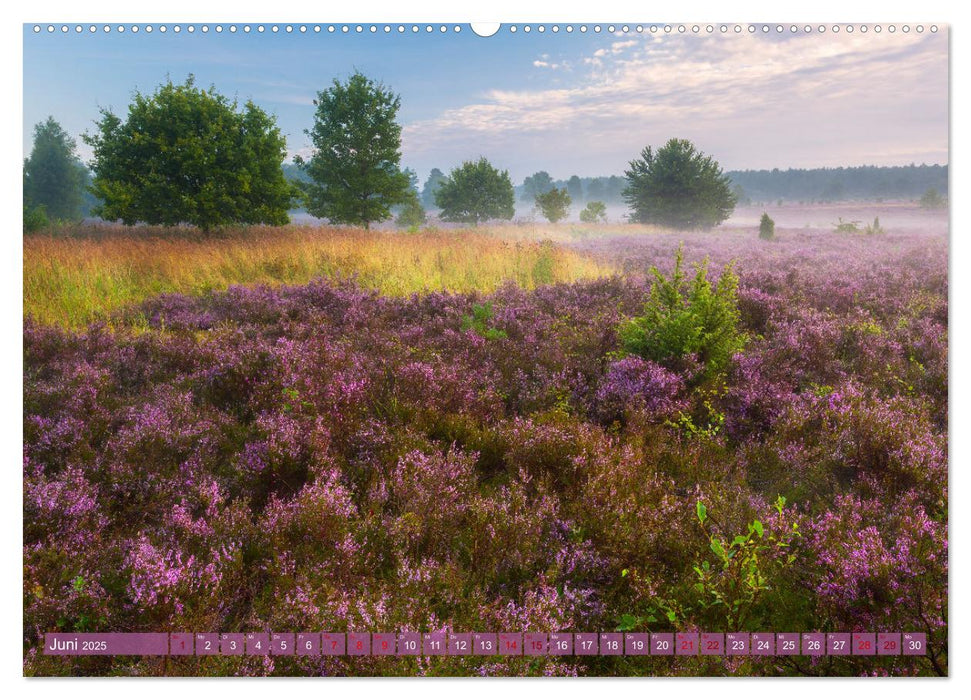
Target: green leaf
x=717, y=548
x=702, y=512
x=628, y=622
x=758, y=527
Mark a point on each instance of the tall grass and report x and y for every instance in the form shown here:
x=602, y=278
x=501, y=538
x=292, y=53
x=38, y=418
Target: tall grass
x=88, y=272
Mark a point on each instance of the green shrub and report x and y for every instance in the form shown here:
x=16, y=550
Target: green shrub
x=847, y=226
x=35, y=218
x=874, y=229
x=685, y=319
x=479, y=322
x=593, y=213
x=766, y=227
x=412, y=214
x=744, y=568
x=932, y=199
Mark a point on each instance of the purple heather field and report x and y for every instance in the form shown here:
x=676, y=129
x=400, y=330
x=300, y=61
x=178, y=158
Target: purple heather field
x=324, y=458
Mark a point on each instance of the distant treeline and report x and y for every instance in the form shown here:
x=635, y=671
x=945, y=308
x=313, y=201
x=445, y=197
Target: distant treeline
x=866, y=182
x=834, y=184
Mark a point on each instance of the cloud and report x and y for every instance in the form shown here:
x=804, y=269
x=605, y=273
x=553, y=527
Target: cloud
x=762, y=100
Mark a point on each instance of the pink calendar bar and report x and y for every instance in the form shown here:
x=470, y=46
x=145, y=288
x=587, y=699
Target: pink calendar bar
x=409, y=644
x=282, y=644
x=686, y=643
x=257, y=644
x=712, y=644
x=737, y=643
x=181, y=644
x=460, y=644
x=231, y=644
x=358, y=643
x=838, y=644
x=864, y=644
x=383, y=644
x=914, y=644
x=813, y=644
x=434, y=644
x=308, y=644
x=611, y=644
x=106, y=643
x=888, y=644
x=485, y=643
x=561, y=644
x=535, y=644
x=662, y=644
x=637, y=644
x=510, y=644
x=207, y=644
x=333, y=644
x=489, y=644
x=787, y=644
x=762, y=644
x=586, y=644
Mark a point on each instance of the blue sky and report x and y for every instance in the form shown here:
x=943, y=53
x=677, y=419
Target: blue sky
x=569, y=103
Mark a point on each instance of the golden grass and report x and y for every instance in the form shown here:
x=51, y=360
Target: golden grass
x=569, y=232
x=71, y=280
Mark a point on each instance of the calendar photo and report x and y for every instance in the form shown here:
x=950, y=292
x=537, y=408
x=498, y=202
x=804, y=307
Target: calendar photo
x=527, y=349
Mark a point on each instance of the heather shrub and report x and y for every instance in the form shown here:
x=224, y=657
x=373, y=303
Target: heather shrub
x=844, y=437
x=876, y=567
x=684, y=319
x=633, y=385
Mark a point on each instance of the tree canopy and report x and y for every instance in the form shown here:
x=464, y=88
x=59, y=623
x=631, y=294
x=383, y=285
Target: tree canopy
x=679, y=187
x=474, y=192
x=355, y=170
x=536, y=184
x=554, y=204
x=435, y=179
x=185, y=155
x=53, y=175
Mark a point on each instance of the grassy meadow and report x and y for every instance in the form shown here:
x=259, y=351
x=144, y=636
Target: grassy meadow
x=86, y=273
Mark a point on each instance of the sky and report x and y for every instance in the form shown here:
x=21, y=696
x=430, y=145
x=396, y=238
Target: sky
x=568, y=103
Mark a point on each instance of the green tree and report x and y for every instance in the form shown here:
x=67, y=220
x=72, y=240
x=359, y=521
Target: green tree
x=766, y=227
x=474, y=192
x=575, y=187
x=537, y=184
x=355, y=169
x=596, y=189
x=53, y=175
x=411, y=215
x=185, y=155
x=685, y=319
x=932, y=199
x=593, y=212
x=679, y=187
x=434, y=181
x=554, y=204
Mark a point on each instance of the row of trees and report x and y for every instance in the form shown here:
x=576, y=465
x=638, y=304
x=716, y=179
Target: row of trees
x=186, y=155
